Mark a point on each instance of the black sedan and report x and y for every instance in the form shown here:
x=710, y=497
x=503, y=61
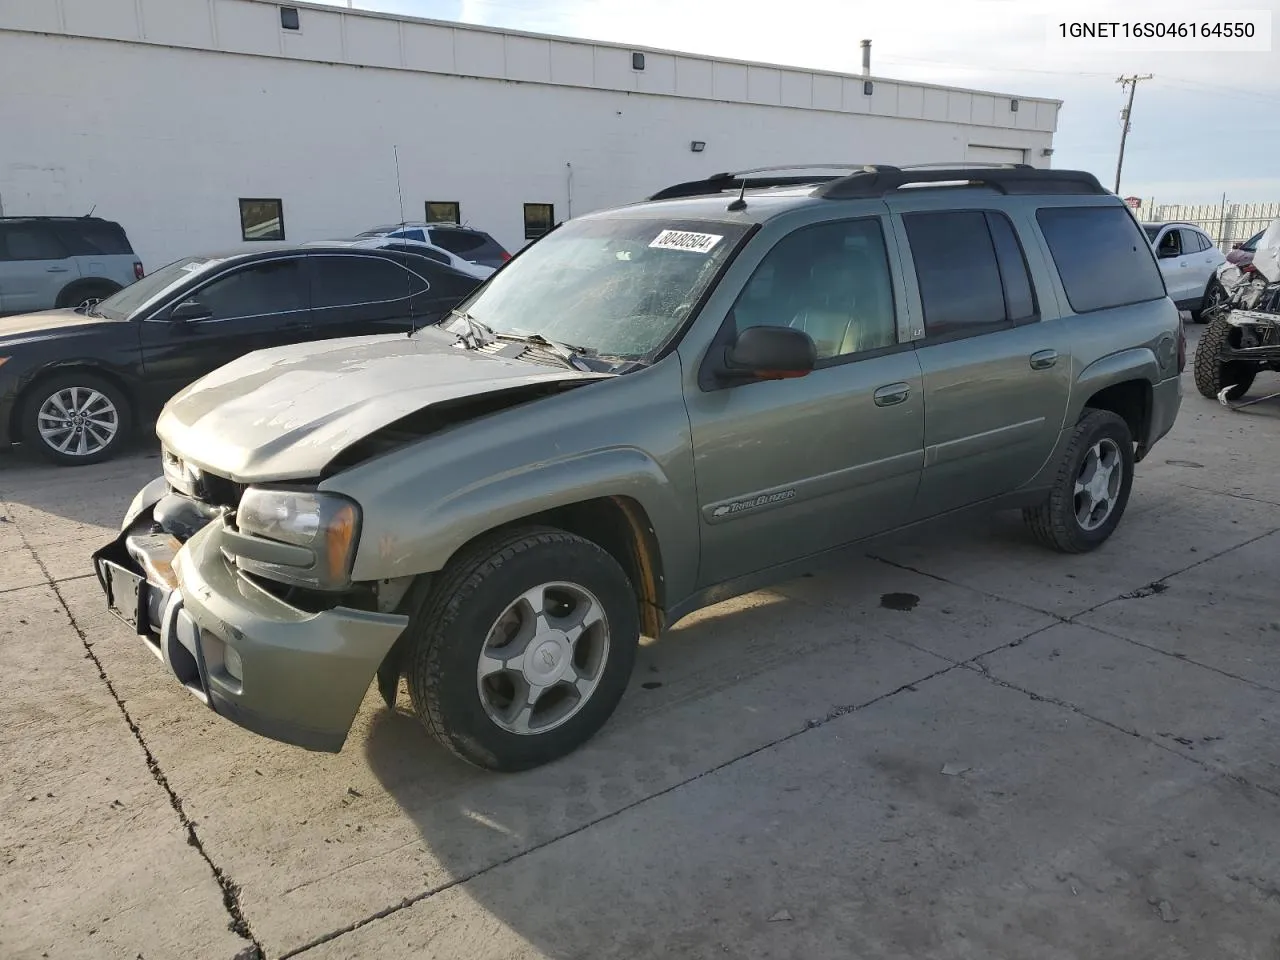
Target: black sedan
x=74, y=382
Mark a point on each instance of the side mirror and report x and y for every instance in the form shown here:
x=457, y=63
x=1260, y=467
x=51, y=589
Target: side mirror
x=190, y=310
x=771, y=353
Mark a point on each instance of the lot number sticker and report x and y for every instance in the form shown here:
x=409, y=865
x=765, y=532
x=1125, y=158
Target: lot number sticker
x=682, y=240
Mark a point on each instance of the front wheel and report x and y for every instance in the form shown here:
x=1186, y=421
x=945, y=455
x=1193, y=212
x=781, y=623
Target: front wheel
x=75, y=419
x=1213, y=374
x=523, y=648
x=1092, y=487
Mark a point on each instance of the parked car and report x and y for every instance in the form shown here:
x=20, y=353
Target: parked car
x=73, y=382
x=52, y=262
x=1241, y=254
x=467, y=242
x=649, y=410
x=1188, y=261
x=422, y=249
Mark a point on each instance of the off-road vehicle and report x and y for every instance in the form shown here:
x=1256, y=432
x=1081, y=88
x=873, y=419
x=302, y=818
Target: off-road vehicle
x=649, y=410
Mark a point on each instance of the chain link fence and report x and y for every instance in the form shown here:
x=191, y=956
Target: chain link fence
x=1227, y=224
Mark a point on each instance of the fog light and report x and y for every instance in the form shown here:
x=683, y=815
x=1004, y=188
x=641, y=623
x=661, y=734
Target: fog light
x=232, y=663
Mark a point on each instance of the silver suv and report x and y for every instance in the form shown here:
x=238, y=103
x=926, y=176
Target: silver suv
x=59, y=262
x=649, y=410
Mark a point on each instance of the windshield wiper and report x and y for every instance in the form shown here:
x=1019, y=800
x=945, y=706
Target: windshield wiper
x=570, y=354
x=477, y=334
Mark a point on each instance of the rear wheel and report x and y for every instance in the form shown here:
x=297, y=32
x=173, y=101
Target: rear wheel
x=1092, y=487
x=86, y=293
x=75, y=419
x=1213, y=374
x=523, y=648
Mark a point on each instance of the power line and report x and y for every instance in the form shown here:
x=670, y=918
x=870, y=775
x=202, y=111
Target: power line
x=1132, y=84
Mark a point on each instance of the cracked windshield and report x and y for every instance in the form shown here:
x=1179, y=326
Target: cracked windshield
x=610, y=289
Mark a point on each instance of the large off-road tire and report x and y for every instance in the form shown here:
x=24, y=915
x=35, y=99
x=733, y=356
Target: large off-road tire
x=75, y=418
x=1091, y=489
x=1212, y=373
x=570, y=621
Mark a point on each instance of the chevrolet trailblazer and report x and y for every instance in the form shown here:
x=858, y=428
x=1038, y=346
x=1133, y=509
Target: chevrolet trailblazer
x=649, y=410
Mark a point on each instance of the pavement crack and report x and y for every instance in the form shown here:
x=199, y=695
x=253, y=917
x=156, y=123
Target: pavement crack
x=834, y=714
x=237, y=923
x=964, y=586
x=985, y=672
x=1181, y=657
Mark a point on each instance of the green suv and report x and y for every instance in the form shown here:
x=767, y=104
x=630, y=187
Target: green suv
x=649, y=410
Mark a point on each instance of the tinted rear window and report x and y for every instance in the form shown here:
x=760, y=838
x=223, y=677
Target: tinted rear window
x=1102, y=257
x=461, y=242
x=94, y=238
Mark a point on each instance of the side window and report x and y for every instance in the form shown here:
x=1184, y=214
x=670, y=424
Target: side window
x=832, y=281
x=460, y=242
x=94, y=237
x=956, y=267
x=343, y=281
x=1101, y=255
x=1019, y=295
x=411, y=234
x=30, y=241
x=444, y=282
x=1170, y=245
x=277, y=286
x=1204, y=242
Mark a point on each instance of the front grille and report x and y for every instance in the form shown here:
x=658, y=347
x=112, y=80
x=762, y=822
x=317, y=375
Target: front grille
x=219, y=491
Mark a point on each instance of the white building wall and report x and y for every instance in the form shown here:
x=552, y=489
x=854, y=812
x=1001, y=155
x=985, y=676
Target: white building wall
x=163, y=113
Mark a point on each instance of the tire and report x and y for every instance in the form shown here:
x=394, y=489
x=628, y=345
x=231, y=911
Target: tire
x=102, y=400
x=1212, y=373
x=1214, y=295
x=477, y=718
x=1056, y=522
x=81, y=291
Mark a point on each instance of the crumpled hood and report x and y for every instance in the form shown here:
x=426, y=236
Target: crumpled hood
x=284, y=413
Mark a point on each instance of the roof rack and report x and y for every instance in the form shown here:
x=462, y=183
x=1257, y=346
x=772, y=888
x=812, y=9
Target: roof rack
x=863, y=181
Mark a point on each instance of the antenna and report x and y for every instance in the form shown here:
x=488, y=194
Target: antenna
x=741, y=202
x=91, y=209
x=408, y=279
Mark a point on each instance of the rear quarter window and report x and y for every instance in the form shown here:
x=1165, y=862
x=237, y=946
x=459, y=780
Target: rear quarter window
x=94, y=238
x=1102, y=257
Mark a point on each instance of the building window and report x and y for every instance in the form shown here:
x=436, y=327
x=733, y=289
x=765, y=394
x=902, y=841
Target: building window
x=538, y=219
x=444, y=211
x=637, y=61
x=261, y=219
x=289, y=18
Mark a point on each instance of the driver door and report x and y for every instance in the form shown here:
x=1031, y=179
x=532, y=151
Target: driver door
x=792, y=467
x=252, y=306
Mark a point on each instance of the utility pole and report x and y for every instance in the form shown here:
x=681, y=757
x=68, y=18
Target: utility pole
x=1132, y=84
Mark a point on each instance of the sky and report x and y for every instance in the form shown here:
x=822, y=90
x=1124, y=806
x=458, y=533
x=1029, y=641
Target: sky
x=1205, y=125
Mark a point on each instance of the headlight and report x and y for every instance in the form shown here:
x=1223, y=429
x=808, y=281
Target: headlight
x=182, y=476
x=324, y=523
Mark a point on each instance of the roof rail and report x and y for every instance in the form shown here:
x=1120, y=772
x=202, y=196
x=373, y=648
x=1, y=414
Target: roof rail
x=720, y=182
x=876, y=180
x=1012, y=179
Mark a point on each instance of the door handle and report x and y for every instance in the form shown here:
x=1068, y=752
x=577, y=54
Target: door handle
x=891, y=393
x=1043, y=359
x=58, y=269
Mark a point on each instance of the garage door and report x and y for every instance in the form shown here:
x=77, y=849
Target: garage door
x=980, y=154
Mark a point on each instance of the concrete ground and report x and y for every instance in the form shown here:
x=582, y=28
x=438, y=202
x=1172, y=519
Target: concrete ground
x=962, y=746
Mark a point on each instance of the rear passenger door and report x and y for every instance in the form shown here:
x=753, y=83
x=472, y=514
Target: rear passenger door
x=34, y=267
x=997, y=375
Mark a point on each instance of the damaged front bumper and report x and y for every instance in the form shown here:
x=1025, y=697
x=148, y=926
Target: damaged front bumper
x=289, y=674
